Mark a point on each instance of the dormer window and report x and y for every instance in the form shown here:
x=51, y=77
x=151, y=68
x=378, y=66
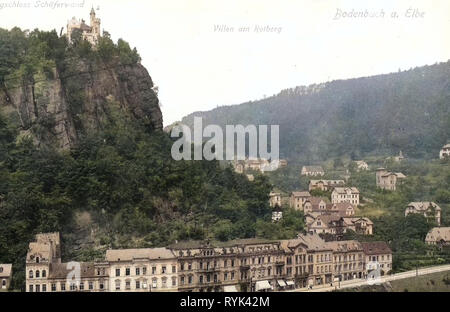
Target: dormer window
x=37, y=259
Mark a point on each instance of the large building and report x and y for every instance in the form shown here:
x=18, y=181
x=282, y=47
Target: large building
x=439, y=236
x=427, y=209
x=274, y=199
x=204, y=266
x=144, y=269
x=90, y=33
x=325, y=185
x=387, y=180
x=445, y=152
x=378, y=257
x=5, y=276
x=345, y=195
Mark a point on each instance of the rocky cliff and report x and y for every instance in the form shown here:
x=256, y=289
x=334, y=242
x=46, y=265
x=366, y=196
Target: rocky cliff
x=59, y=107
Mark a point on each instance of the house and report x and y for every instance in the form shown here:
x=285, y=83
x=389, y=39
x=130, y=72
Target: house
x=325, y=185
x=359, y=225
x=5, y=276
x=298, y=199
x=445, y=152
x=399, y=158
x=439, y=236
x=251, y=177
x=312, y=171
x=427, y=209
x=315, y=204
x=274, y=199
x=378, y=257
x=277, y=214
x=388, y=180
x=257, y=164
x=343, y=209
x=336, y=224
x=324, y=224
x=89, y=33
x=345, y=195
x=361, y=165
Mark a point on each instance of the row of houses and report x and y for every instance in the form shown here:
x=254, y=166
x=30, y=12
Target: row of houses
x=204, y=266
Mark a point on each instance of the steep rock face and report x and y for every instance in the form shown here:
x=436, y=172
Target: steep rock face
x=58, y=110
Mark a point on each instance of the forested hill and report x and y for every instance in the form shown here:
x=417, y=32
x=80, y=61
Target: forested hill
x=81, y=153
x=408, y=111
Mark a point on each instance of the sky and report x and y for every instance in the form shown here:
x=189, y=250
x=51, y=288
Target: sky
x=268, y=46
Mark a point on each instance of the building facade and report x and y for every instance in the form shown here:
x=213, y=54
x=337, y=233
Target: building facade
x=274, y=199
x=5, y=276
x=387, y=180
x=298, y=199
x=438, y=236
x=345, y=195
x=204, y=266
x=378, y=256
x=325, y=185
x=445, y=152
x=427, y=209
x=312, y=171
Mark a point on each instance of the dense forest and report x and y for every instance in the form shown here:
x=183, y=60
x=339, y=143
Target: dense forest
x=379, y=115
x=118, y=186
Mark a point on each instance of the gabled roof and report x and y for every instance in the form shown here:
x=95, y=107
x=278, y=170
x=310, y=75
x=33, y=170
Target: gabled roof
x=5, y=270
x=423, y=206
x=344, y=190
x=376, y=248
x=438, y=234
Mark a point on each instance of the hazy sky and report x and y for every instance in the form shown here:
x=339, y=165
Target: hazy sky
x=198, y=67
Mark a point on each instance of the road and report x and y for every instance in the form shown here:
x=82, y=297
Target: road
x=383, y=279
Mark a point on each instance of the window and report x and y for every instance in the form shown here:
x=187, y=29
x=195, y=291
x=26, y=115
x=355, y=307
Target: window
x=163, y=270
x=190, y=279
x=72, y=287
x=153, y=270
x=138, y=271
x=30, y=289
x=117, y=285
x=44, y=273
x=138, y=285
x=200, y=279
x=144, y=270
x=127, y=271
x=127, y=285
x=182, y=280
x=53, y=287
x=37, y=259
x=44, y=288
x=63, y=287
x=174, y=269
x=37, y=273
x=154, y=282
x=91, y=285
x=38, y=288
x=30, y=274
x=117, y=272
x=232, y=275
x=174, y=281
x=82, y=286
x=102, y=286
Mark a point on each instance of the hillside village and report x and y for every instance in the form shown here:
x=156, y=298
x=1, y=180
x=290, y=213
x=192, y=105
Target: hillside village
x=336, y=206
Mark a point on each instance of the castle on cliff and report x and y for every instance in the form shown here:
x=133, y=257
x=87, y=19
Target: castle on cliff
x=90, y=32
